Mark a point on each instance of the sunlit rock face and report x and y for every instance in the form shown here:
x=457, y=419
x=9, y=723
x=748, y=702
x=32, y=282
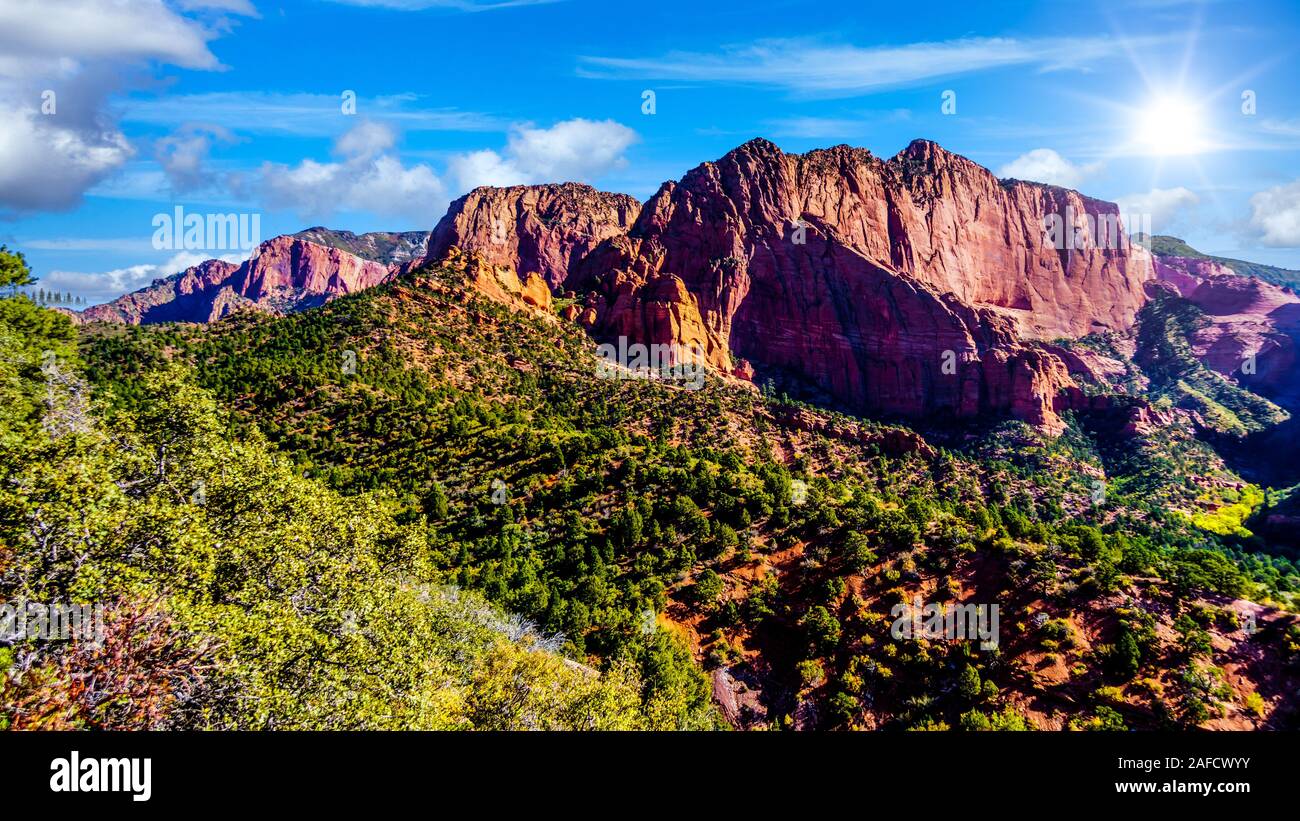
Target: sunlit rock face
x=1252, y=328
x=534, y=229
x=282, y=275
x=912, y=286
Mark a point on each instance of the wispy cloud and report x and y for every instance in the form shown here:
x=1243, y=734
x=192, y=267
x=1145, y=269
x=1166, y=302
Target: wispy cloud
x=138, y=244
x=816, y=127
x=244, y=7
x=815, y=69
x=1285, y=128
x=184, y=155
x=299, y=114
x=1168, y=208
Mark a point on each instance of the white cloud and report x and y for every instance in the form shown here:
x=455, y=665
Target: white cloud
x=572, y=150
x=54, y=37
x=45, y=166
x=365, y=140
x=366, y=177
x=59, y=62
x=1276, y=215
x=243, y=7
x=183, y=156
x=1046, y=166
x=1165, y=207
x=390, y=188
x=484, y=168
x=104, y=286
x=815, y=69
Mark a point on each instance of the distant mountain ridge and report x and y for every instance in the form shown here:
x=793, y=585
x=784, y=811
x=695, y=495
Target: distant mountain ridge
x=1240, y=325
x=1173, y=246
x=915, y=286
x=284, y=274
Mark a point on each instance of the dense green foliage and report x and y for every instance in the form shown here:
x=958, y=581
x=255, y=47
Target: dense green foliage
x=14, y=271
x=594, y=506
x=241, y=594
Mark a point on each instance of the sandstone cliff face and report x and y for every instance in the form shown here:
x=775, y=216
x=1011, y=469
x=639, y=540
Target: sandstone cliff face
x=288, y=274
x=500, y=282
x=906, y=286
x=952, y=225
x=185, y=297
x=283, y=274
x=942, y=219
x=1252, y=332
x=535, y=229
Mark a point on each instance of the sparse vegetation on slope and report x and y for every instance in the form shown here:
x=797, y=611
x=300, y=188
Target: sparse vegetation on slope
x=1164, y=326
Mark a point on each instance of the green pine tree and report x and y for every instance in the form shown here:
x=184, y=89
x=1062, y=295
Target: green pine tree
x=14, y=272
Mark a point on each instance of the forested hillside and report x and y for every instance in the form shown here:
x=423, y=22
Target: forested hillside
x=653, y=532
x=240, y=593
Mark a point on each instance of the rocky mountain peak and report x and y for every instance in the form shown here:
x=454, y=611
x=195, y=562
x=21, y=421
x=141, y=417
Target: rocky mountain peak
x=283, y=274
x=534, y=229
x=911, y=286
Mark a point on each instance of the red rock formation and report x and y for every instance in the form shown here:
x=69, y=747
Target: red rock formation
x=534, y=229
x=500, y=282
x=951, y=224
x=901, y=286
x=185, y=297
x=1253, y=327
x=284, y=274
x=287, y=274
x=1185, y=273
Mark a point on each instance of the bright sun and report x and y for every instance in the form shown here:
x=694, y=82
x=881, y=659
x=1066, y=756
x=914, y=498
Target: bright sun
x=1170, y=126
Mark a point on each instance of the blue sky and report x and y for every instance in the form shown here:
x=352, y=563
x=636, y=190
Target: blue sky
x=237, y=106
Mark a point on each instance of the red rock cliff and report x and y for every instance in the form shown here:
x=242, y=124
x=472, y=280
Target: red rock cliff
x=903, y=286
x=1251, y=330
x=534, y=229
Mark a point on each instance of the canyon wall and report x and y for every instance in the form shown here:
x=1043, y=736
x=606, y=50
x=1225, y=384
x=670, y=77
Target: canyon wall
x=911, y=286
